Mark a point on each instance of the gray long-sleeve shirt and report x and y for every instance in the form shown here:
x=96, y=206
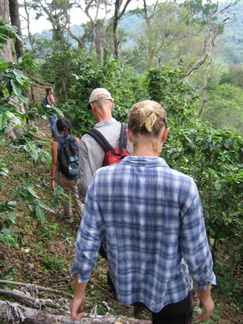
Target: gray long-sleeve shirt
x=91, y=154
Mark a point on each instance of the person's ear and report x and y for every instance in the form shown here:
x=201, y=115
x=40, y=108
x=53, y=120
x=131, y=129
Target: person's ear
x=129, y=135
x=164, y=134
x=112, y=105
x=92, y=107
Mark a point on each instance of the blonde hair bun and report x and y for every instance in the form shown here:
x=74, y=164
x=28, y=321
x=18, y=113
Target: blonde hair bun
x=146, y=116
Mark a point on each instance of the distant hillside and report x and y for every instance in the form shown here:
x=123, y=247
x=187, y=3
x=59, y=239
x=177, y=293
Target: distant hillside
x=232, y=37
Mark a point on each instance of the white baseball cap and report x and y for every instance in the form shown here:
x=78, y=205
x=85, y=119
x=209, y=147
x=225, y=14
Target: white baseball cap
x=100, y=94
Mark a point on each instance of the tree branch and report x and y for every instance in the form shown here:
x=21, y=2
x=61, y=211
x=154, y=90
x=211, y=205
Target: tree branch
x=13, y=312
x=27, y=300
x=15, y=283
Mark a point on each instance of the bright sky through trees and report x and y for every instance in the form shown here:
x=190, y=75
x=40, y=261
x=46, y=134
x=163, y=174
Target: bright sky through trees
x=77, y=17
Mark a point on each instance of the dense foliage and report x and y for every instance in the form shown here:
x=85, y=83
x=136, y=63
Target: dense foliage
x=212, y=157
x=16, y=131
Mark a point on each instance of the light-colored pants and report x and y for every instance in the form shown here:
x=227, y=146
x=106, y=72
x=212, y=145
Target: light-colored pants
x=69, y=187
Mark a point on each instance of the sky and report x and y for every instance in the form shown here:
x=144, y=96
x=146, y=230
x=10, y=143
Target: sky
x=36, y=26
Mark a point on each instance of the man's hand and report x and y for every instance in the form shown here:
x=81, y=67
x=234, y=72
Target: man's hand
x=76, y=307
x=207, y=303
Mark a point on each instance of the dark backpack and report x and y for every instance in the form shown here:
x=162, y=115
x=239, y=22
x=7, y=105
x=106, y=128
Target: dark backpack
x=68, y=159
x=112, y=155
x=45, y=102
x=48, y=109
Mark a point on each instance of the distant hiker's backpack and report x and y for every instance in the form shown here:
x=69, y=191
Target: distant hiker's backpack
x=112, y=155
x=45, y=102
x=48, y=109
x=68, y=160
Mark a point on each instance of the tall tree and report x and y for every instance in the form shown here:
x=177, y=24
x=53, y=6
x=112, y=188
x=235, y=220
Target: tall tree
x=15, y=21
x=165, y=37
x=148, y=13
x=94, y=9
x=179, y=33
x=215, y=26
x=26, y=5
x=102, y=15
x=56, y=12
x=7, y=51
x=119, y=12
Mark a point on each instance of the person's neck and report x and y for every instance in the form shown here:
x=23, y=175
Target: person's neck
x=145, y=150
x=103, y=117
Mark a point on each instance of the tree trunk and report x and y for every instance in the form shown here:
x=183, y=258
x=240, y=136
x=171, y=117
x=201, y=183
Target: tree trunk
x=30, y=36
x=15, y=21
x=99, y=35
x=117, y=16
x=213, y=32
x=115, y=31
x=7, y=51
x=205, y=90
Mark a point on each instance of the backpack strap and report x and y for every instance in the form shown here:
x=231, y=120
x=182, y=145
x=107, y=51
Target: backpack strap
x=103, y=141
x=123, y=138
x=60, y=140
x=63, y=141
x=100, y=139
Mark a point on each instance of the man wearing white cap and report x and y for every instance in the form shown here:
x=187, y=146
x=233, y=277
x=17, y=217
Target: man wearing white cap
x=91, y=154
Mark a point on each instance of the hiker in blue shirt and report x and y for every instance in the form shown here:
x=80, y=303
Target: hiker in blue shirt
x=150, y=221
x=58, y=177
x=48, y=102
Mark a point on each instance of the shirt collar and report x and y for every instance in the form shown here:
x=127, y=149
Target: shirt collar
x=105, y=123
x=148, y=161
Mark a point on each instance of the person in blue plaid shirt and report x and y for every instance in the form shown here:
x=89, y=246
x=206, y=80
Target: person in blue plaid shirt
x=149, y=218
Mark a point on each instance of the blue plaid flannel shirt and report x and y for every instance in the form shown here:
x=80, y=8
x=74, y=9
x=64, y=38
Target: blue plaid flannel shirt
x=150, y=220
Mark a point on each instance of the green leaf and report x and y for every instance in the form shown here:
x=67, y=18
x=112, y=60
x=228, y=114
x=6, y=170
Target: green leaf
x=175, y=155
x=20, y=77
x=58, y=111
x=31, y=191
x=21, y=199
x=45, y=157
x=217, y=186
x=14, y=119
x=7, y=206
x=16, y=88
x=3, y=171
x=23, y=99
x=45, y=207
x=58, y=191
x=56, y=203
x=3, y=121
x=9, y=220
x=8, y=239
x=34, y=155
x=40, y=214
